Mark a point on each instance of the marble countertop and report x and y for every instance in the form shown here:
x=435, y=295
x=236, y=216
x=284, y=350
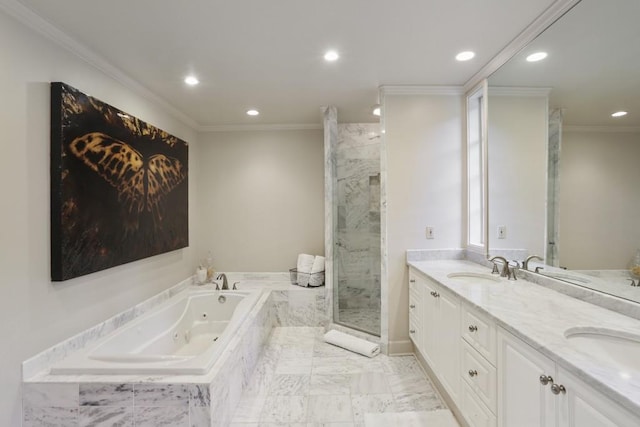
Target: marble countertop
x=540, y=316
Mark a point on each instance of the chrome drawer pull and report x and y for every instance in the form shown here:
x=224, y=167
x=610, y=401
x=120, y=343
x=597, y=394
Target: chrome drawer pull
x=412, y=306
x=473, y=328
x=546, y=379
x=412, y=331
x=473, y=373
x=558, y=388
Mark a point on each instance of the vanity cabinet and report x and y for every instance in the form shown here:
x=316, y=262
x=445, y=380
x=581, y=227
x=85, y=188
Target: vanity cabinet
x=435, y=322
x=534, y=391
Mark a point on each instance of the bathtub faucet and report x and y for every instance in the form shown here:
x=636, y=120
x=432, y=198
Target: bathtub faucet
x=225, y=284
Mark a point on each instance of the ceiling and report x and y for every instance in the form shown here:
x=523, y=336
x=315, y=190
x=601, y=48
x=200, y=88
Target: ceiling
x=268, y=55
x=593, y=66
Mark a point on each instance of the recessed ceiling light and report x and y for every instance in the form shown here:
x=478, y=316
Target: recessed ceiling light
x=465, y=56
x=619, y=114
x=123, y=116
x=191, y=80
x=331, y=56
x=376, y=110
x=538, y=56
x=252, y=112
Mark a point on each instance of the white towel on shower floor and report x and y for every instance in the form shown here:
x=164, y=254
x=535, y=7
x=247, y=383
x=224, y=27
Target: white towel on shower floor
x=351, y=343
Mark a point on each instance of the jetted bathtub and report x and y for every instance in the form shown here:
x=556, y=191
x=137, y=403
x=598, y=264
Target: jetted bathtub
x=183, y=336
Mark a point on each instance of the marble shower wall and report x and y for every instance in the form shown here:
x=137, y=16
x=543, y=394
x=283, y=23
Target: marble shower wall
x=553, y=186
x=357, y=225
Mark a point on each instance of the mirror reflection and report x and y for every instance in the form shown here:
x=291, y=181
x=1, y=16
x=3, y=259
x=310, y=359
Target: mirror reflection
x=563, y=166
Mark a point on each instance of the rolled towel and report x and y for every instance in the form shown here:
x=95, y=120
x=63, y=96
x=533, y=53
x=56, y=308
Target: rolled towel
x=304, y=266
x=305, y=263
x=351, y=343
x=318, y=264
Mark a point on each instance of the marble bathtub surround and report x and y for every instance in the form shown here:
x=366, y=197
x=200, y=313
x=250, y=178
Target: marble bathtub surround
x=43, y=360
x=172, y=400
x=331, y=387
x=540, y=316
x=176, y=400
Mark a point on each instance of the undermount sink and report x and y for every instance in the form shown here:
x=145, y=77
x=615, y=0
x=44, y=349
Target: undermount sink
x=469, y=277
x=616, y=348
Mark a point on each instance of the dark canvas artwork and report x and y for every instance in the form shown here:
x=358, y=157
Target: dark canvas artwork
x=119, y=188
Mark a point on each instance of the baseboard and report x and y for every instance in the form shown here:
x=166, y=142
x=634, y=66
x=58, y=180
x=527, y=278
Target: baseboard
x=398, y=348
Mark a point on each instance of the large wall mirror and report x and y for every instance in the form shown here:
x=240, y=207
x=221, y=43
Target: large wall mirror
x=564, y=174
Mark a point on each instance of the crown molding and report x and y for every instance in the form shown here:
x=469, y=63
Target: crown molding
x=29, y=18
x=524, y=92
x=533, y=30
x=601, y=129
x=421, y=90
x=259, y=127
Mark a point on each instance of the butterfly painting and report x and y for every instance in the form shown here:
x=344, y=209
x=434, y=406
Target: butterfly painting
x=119, y=186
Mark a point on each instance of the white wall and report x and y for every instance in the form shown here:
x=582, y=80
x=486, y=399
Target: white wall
x=261, y=198
x=424, y=188
x=517, y=168
x=599, y=199
x=34, y=312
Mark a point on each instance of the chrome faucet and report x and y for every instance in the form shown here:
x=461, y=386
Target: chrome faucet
x=225, y=284
x=525, y=263
x=505, y=270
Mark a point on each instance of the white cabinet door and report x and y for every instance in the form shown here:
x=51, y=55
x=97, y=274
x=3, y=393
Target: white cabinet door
x=448, y=333
x=416, y=298
x=581, y=406
x=523, y=401
x=430, y=323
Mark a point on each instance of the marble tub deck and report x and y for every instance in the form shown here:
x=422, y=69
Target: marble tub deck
x=301, y=381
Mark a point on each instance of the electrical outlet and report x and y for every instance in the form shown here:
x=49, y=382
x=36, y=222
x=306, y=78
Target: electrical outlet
x=429, y=233
x=502, y=232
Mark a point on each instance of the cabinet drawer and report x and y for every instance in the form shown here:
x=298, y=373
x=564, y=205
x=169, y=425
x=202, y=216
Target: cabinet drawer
x=474, y=410
x=479, y=331
x=480, y=376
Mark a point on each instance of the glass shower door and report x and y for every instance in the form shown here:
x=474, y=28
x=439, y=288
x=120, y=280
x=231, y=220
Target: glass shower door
x=357, y=228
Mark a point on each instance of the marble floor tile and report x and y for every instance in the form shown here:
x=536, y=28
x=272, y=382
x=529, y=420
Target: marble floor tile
x=290, y=385
x=249, y=409
x=331, y=425
x=418, y=402
x=287, y=409
x=344, y=365
x=401, y=365
x=409, y=383
x=372, y=403
x=294, y=366
x=297, y=352
x=330, y=384
x=369, y=383
x=330, y=409
x=438, y=418
x=324, y=349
